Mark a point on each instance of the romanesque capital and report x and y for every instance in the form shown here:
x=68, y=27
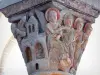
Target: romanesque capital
x=52, y=34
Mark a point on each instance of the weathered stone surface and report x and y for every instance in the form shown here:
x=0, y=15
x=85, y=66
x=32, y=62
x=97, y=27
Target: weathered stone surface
x=42, y=20
x=23, y=5
x=16, y=17
x=59, y=46
x=80, y=6
x=50, y=73
x=95, y=3
x=78, y=14
x=52, y=34
x=76, y=5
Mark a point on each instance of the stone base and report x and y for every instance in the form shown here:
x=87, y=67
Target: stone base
x=51, y=73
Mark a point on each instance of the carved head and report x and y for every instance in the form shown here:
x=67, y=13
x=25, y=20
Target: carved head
x=68, y=20
x=87, y=29
x=52, y=15
x=22, y=21
x=79, y=23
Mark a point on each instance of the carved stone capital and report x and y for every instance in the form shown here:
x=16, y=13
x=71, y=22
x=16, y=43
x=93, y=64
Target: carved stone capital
x=52, y=34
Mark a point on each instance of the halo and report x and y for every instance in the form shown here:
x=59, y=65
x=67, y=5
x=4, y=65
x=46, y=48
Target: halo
x=77, y=20
x=54, y=9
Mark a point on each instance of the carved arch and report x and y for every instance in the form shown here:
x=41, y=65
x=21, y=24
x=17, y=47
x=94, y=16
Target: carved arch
x=28, y=54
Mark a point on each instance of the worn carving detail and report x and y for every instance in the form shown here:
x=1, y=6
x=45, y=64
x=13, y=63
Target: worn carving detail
x=80, y=6
x=76, y=5
x=51, y=40
x=52, y=34
x=18, y=29
x=87, y=31
x=78, y=40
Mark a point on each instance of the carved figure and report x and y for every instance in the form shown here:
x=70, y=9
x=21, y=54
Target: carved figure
x=68, y=38
x=52, y=16
x=87, y=32
x=19, y=30
x=78, y=40
x=54, y=33
x=69, y=33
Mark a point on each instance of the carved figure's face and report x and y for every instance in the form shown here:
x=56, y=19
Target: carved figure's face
x=88, y=31
x=52, y=16
x=79, y=25
x=69, y=21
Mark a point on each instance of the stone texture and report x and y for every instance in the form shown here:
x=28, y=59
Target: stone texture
x=95, y=3
x=60, y=44
x=23, y=5
x=52, y=34
x=76, y=5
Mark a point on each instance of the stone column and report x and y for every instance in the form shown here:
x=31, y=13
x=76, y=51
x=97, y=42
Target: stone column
x=52, y=34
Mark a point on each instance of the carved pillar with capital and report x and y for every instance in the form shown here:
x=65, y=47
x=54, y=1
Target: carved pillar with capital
x=52, y=34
